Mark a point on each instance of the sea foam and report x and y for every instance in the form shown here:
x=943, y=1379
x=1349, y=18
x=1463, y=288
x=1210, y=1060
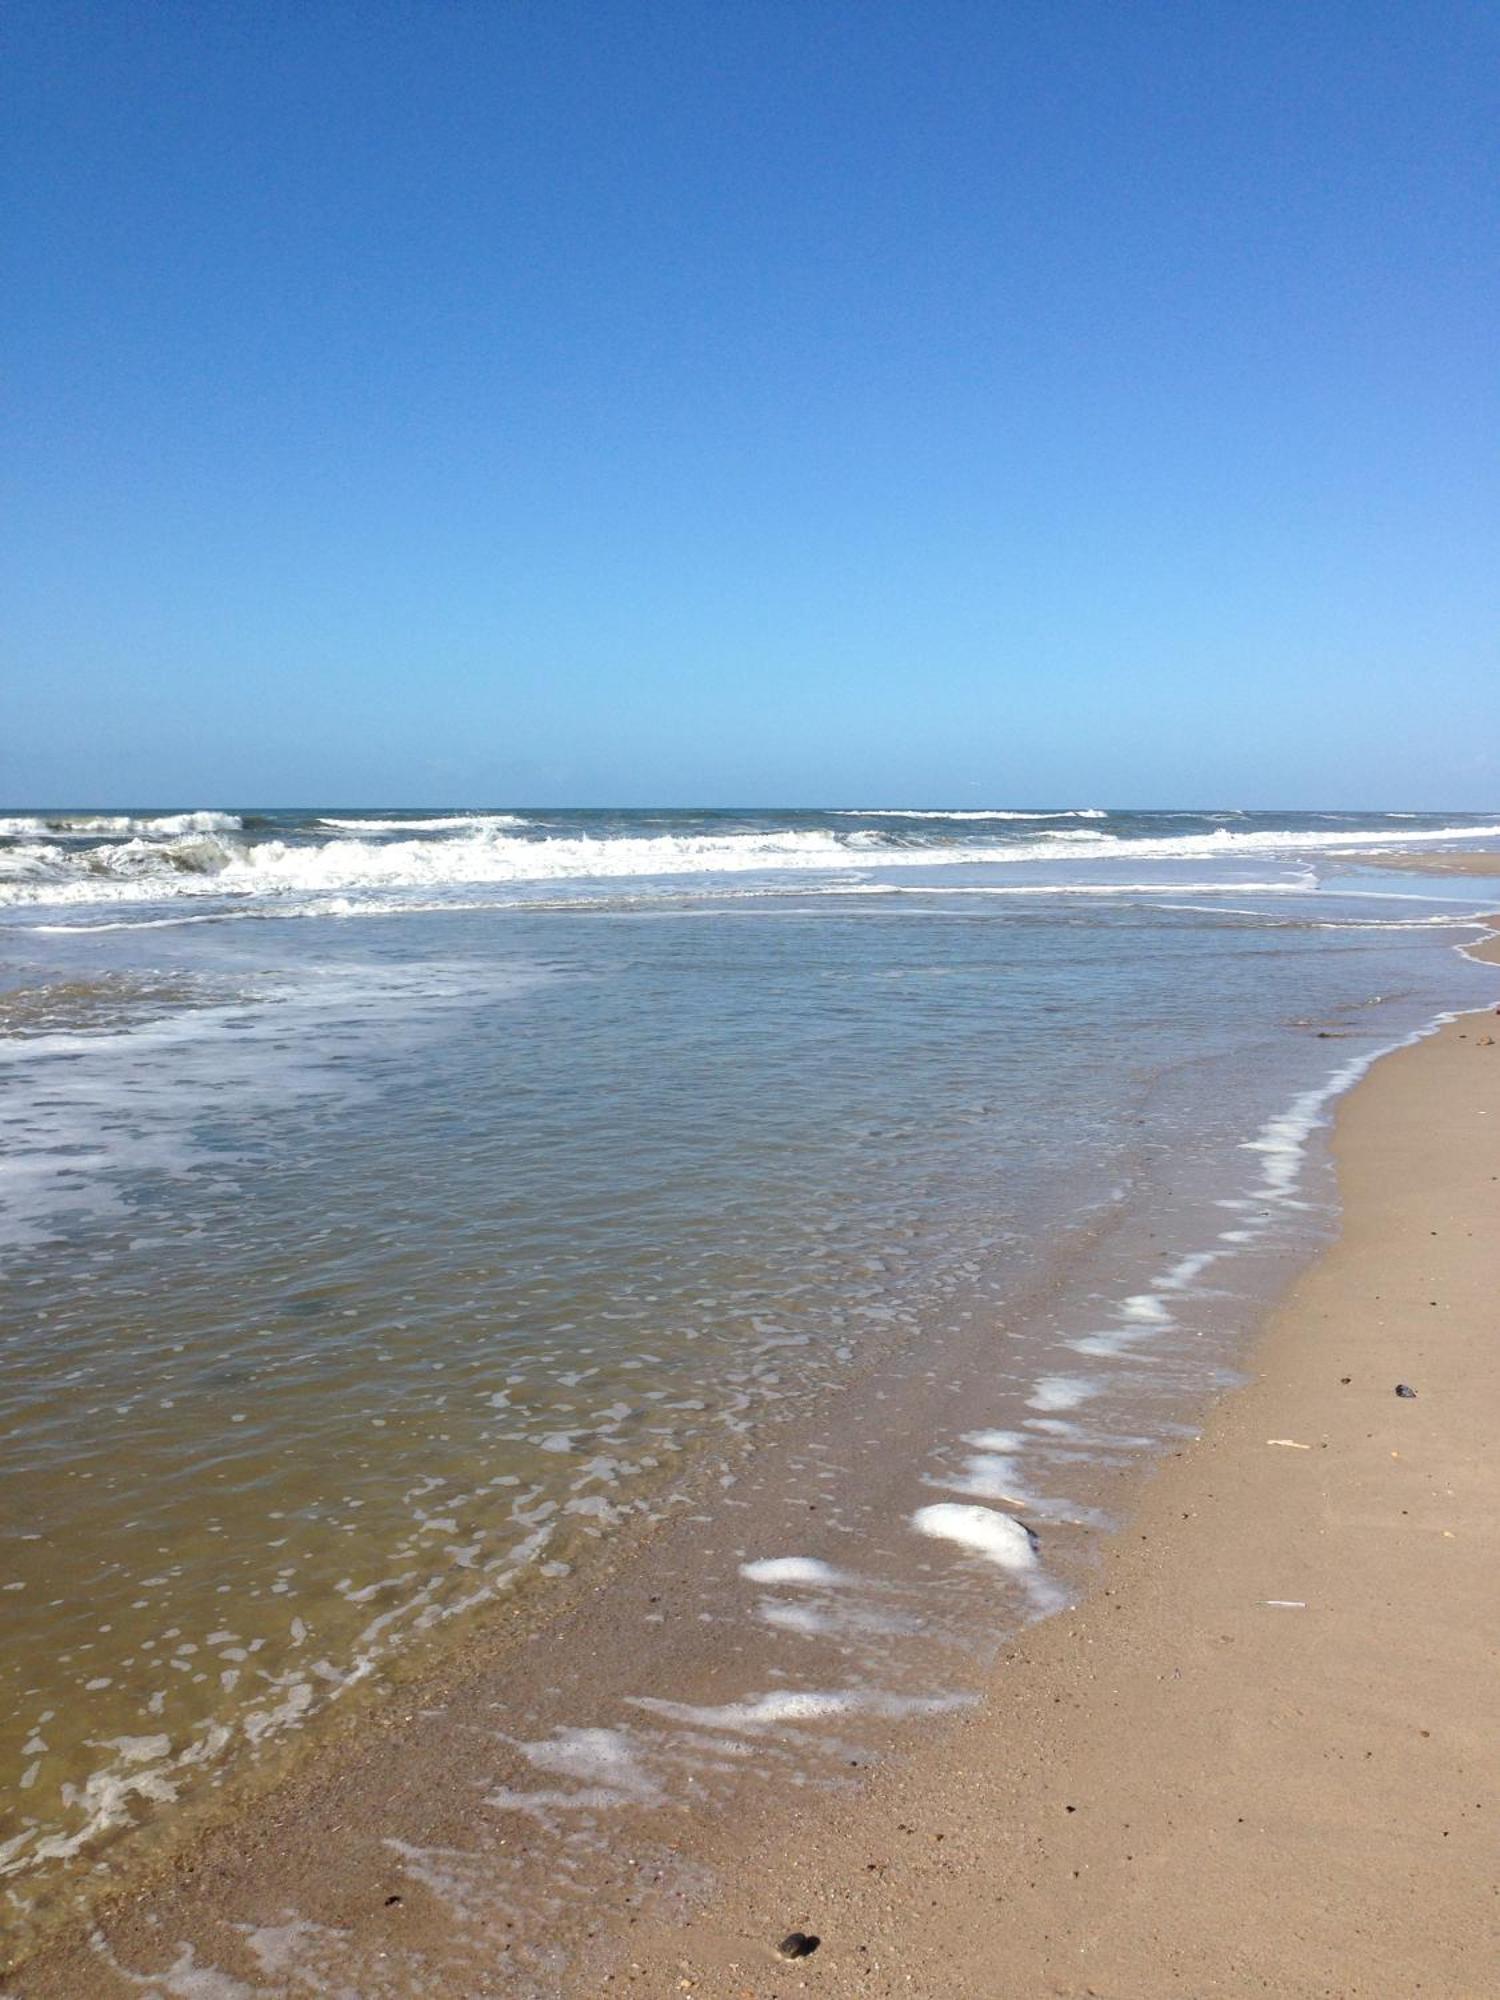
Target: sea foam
x=208, y=853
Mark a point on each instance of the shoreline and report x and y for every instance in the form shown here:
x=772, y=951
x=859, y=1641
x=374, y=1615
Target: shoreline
x=1255, y=1758
x=210, y=1881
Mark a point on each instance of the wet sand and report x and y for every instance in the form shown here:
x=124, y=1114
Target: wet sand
x=1256, y=1759
x=1260, y=1757
x=1412, y=861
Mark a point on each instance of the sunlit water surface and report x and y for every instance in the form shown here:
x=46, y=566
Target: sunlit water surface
x=362, y=1268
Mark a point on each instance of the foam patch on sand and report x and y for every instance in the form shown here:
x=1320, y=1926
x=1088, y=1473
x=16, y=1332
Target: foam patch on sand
x=803, y=1618
x=183, y=1979
x=989, y=1475
x=998, y=1537
x=760, y=1713
x=1111, y=1344
x=605, y=1765
x=1145, y=1309
x=795, y=1570
x=1061, y=1392
x=1002, y=1540
x=836, y=1618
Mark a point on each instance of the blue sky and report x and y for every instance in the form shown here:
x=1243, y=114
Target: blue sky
x=767, y=402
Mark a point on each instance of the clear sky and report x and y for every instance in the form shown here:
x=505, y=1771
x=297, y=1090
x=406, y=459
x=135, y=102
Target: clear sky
x=752, y=401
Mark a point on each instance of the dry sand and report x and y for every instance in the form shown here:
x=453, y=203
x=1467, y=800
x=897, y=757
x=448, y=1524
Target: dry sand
x=1262, y=1758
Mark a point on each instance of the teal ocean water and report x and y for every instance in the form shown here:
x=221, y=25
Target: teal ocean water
x=395, y=1206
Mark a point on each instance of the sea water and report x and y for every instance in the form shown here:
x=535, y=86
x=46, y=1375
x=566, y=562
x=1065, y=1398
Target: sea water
x=394, y=1207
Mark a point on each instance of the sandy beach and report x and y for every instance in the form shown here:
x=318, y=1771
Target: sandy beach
x=1413, y=862
x=1258, y=1758
x=1253, y=1759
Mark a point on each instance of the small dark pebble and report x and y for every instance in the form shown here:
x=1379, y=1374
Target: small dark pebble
x=391, y=1901
x=1404, y=1389
x=797, y=1944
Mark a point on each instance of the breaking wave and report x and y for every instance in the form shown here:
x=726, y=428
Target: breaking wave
x=927, y=812
x=90, y=826
x=98, y=858
x=444, y=823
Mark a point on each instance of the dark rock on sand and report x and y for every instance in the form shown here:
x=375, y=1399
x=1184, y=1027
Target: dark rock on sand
x=797, y=1944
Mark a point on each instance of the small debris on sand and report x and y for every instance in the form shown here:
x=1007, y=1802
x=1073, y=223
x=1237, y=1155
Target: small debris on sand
x=798, y=1944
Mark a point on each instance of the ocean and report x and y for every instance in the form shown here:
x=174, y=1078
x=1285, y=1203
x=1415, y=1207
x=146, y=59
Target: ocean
x=401, y=1211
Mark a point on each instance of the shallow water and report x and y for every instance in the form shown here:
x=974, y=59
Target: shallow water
x=379, y=1244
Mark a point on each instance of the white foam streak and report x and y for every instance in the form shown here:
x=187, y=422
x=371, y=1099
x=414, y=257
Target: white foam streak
x=760, y=1713
x=998, y=1537
x=996, y=813
x=445, y=823
x=87, y=1115
x=989, y=1476
x=1061, y=1392
x=1282, y=1141
x=604, y=1763
x=794, y=1570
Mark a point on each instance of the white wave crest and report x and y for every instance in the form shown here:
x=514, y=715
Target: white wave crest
x=93, y=826
x=913, y=812
x=224, y=864
x=444, y=823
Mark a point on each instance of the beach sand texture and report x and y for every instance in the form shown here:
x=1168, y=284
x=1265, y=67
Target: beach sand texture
x=1411, y=861
x=1261, y=1757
